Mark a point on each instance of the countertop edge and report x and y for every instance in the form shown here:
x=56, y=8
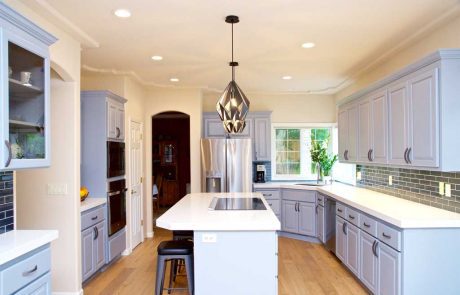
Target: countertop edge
x=91, y=203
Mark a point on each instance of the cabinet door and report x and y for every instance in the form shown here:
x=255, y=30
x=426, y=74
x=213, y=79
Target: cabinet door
x=398, y=123
x=364, y=130
x=389, y=270
x=87, y=264
x=340, y=239
x=353, y=248
x=290, y=217
x=25, y=112
x=379, y=122
x=262, y=142
x=307, y=218
x=41, y=286
x=112, y=119
x=120, y=122
x=99, y=245
x=424, y=119
x=320, y=224
x=352, y=154
x=343, y=132
x=368, y=272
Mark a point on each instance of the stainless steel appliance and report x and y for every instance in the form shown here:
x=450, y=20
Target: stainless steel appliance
x=116, y=205
x=226, y=165
x=115, y=159
x=237, y=204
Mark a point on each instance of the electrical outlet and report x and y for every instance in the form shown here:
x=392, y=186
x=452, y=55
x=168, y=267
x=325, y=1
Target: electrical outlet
x=55, y=189
x=448, y=192
x=390, y=180
x=441, y=188
x=358, y=175
x=209, y=238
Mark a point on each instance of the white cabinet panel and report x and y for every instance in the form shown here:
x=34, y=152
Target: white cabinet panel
x=262, y=140
x=340, y=239
x=352, y=233
x=290, y=217
x=348, y=133
x=320, y=224
x=398, y=123
x=115, y=120
x=389, y=263
x=379, y=123
x=364, y=130
x=87, y=266
x=368, y=272
x=343, y=133
x=307, y=219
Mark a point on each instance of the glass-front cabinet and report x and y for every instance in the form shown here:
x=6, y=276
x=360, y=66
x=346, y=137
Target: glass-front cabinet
x=25, y=91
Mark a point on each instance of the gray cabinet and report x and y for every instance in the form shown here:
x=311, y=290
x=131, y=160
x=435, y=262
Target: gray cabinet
x=25, y=93
x=368, y=273
x=352, y=261
x=398, y=123
x=340, y=239
x=307, y=219
x=115, y=119
x=320, y=230
x=262, y=138
x=273, y=198
x=389, y=270
x=93, y=241
x=348, y=132
x=290, y=216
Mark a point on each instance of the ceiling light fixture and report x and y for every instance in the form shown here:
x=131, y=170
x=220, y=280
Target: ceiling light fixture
x=123, y=13
x=157, y=57
x=286, y=77
x=233, y=105
x=308, y=45
x=174, y=79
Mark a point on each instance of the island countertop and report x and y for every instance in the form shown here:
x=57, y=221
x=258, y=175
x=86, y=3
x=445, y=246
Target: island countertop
x=192, y=213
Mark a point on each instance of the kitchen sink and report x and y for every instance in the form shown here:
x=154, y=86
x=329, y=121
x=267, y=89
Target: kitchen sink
x=311, y=184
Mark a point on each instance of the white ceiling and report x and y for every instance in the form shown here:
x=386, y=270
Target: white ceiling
x=195, y=41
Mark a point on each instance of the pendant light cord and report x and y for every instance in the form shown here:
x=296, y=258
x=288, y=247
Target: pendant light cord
x=233, y=67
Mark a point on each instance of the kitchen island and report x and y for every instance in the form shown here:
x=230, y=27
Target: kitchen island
x=235, y=251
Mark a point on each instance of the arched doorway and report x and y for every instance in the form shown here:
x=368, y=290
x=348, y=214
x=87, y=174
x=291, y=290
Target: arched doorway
x=170, y=158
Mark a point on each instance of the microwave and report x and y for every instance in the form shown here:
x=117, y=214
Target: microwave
x=115, y=159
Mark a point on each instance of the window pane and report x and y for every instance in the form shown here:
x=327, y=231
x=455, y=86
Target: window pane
x=293, y=145
x=294, y=157
x=281, y=157
x=294, y=134
x=281, y=134
x=281, y=169
x=294, y=168
x=281, y=145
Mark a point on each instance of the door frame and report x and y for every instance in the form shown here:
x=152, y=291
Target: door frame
x=130, y=237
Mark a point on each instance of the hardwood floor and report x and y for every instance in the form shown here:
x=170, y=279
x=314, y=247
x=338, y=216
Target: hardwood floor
x=304, y=268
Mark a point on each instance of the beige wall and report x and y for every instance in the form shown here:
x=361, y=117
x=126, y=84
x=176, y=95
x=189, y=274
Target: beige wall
x=446, y=36
x=34, y=208
x=288, y=108
x=188, y=101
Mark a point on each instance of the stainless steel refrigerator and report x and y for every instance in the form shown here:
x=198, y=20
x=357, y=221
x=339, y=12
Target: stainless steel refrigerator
x=226, y=165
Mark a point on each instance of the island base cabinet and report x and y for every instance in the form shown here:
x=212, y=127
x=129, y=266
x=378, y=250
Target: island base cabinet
x=389, y=270
x=236, y=262
x=340, y=239
x=368, y=273
x=41, y=286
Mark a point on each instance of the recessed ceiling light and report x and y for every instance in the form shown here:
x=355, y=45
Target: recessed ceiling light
x=286, y=77
x=157, y=57
x=123, y=13
x=308, y=45
x=174, y=79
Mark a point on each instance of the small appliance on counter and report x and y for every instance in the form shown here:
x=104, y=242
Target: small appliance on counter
x=260, y=174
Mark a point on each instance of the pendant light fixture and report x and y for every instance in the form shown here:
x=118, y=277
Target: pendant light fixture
x=233, y=105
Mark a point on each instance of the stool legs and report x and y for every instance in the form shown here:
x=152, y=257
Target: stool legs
x=160, y=275
x=161, y=269
x=190, y=276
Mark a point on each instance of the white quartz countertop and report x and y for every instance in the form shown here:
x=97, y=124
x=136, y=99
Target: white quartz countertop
x=19, y=242
x=192, y=213
x=396, y=211
x=91, y=203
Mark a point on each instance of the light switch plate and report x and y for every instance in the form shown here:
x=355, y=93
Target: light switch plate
x=358, y=175
x=441, y=188
x=448, y=192
x=55, y=189
x=390, y=180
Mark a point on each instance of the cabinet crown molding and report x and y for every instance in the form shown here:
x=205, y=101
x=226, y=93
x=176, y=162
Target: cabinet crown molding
x=106, y=93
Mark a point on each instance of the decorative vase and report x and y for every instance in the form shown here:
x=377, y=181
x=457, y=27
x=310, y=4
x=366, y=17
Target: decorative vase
x=327, y=179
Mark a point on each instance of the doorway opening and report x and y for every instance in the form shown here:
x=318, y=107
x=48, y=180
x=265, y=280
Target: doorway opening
x=170, y=159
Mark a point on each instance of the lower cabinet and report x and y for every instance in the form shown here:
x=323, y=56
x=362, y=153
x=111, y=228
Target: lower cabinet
x=320, y=224
x=352, y=233
x=93, y=243
x=299, y=217
x=368, y=273
x=340, y=239
x=41, y=286
x=389, y=270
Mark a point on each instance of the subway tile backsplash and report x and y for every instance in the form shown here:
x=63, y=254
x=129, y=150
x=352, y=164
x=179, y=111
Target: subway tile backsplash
x=6, y=202
x=415, y=185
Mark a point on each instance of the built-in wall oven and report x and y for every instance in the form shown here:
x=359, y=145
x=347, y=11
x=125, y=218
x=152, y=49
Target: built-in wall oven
x=115, y=159
x=116, y=201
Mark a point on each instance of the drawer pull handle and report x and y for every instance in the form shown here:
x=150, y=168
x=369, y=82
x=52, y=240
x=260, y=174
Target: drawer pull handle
x=374, y=248
x=351, y=216
x=386, y=236
x=29, y=272
x=94, y=218
x=366, y=225
x=340, y=210
x=267, y=195
x=270, y=204
x=344, y=228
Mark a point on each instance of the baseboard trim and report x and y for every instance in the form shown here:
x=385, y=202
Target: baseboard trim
x=150, y=235
x=68, y=293
x=126, y=252
x=299, y=237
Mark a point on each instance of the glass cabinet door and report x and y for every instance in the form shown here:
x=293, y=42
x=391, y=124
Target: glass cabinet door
x=27, y=108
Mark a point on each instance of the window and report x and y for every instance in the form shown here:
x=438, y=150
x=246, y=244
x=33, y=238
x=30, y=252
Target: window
x=291, y=152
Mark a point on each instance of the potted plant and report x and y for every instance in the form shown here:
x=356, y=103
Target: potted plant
x=324, y=161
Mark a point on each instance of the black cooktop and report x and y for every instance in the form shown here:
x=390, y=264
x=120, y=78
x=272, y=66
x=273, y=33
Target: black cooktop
x=237, y=204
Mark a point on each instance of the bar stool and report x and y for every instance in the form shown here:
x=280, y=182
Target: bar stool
x=173, y=251
x=179, y=235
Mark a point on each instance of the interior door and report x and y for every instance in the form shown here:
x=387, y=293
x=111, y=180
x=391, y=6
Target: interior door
x=136, y=182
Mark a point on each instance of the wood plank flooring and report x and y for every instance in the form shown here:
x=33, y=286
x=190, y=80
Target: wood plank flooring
x=304, y=268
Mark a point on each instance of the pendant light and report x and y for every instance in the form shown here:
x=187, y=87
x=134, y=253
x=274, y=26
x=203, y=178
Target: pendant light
x=233, y=105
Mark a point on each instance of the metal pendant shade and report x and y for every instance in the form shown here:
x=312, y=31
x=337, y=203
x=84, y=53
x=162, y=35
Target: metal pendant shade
x=233, y=105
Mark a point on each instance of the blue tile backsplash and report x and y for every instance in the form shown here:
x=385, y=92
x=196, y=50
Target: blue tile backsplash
x=6, y=202
x=268, y=169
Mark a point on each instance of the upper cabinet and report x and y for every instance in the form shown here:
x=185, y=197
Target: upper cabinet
x=348, y=137
x=258, y=128
x=115, y=118
x=408, y=119
x=25, y=88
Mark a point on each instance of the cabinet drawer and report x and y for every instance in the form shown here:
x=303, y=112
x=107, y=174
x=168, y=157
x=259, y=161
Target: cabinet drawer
x=340, y=210
x=321, y=199
x=368, y=224
x=37, y=287
x=352, y=216
x=299, y=195
x=275, y=205
x=91, y=217
x=390, y=236
x=22, y=273
x=269, y=194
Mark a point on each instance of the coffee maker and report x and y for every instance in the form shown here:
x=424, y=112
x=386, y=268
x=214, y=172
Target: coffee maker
x=260, y=173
